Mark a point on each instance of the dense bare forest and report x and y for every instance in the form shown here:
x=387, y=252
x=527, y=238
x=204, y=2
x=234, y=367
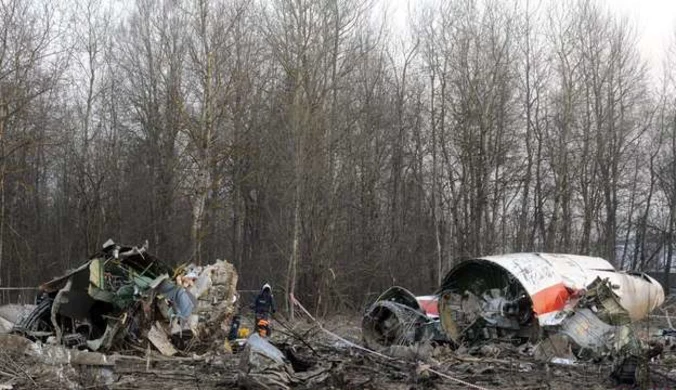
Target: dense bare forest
x=319, y=146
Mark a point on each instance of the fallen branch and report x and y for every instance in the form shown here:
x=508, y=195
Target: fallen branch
x=472, y=359
x=169, y=374
x=18, y=368
x=160, y=358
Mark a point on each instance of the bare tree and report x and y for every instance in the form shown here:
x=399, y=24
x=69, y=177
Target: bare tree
x=30, y=69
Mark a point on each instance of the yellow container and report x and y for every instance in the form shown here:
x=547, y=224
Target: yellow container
x=243, y=333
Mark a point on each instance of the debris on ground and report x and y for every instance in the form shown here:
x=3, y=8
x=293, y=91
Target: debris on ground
x=326, y=363
x=568, y=308
x=263, y=366
x=25, y=362
x=124, y=320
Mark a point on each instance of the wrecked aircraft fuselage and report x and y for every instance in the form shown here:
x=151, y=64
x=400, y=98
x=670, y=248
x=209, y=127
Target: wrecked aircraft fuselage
x=79, y=306
x=398, y=317
x=520, y=297
x=528, y=295
x=127, y=293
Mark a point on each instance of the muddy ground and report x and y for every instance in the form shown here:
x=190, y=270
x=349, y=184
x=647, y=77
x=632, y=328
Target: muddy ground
x=498, y=365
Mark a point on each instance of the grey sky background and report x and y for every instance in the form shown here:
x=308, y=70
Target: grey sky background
x=655, y=22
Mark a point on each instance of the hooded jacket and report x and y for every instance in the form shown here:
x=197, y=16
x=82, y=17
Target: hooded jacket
x=265, y=302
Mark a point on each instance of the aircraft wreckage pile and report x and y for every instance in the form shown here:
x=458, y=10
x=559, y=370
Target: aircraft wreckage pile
x=520, y=297
x=124, y=319
x=124, y=294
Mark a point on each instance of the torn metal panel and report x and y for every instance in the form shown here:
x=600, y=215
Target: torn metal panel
x=158, y=337
x=74, y=300
x=638, y=293
x=556, y=346
x=601, y=297
x=58, y=283
x=588, y=332
x=263, y=366
x=106, y=341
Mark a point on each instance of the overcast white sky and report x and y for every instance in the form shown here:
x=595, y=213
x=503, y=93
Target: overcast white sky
x=655, y=21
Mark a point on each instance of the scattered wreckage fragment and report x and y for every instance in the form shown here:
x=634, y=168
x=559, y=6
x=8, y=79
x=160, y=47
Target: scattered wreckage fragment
x=531, y=295
x=398, y=317
x=57, y=365
x=127, y=293
x=11, y=313
x=264, y=366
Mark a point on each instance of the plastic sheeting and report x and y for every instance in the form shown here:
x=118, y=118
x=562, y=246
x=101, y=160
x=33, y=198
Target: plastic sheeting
x=183, y=302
